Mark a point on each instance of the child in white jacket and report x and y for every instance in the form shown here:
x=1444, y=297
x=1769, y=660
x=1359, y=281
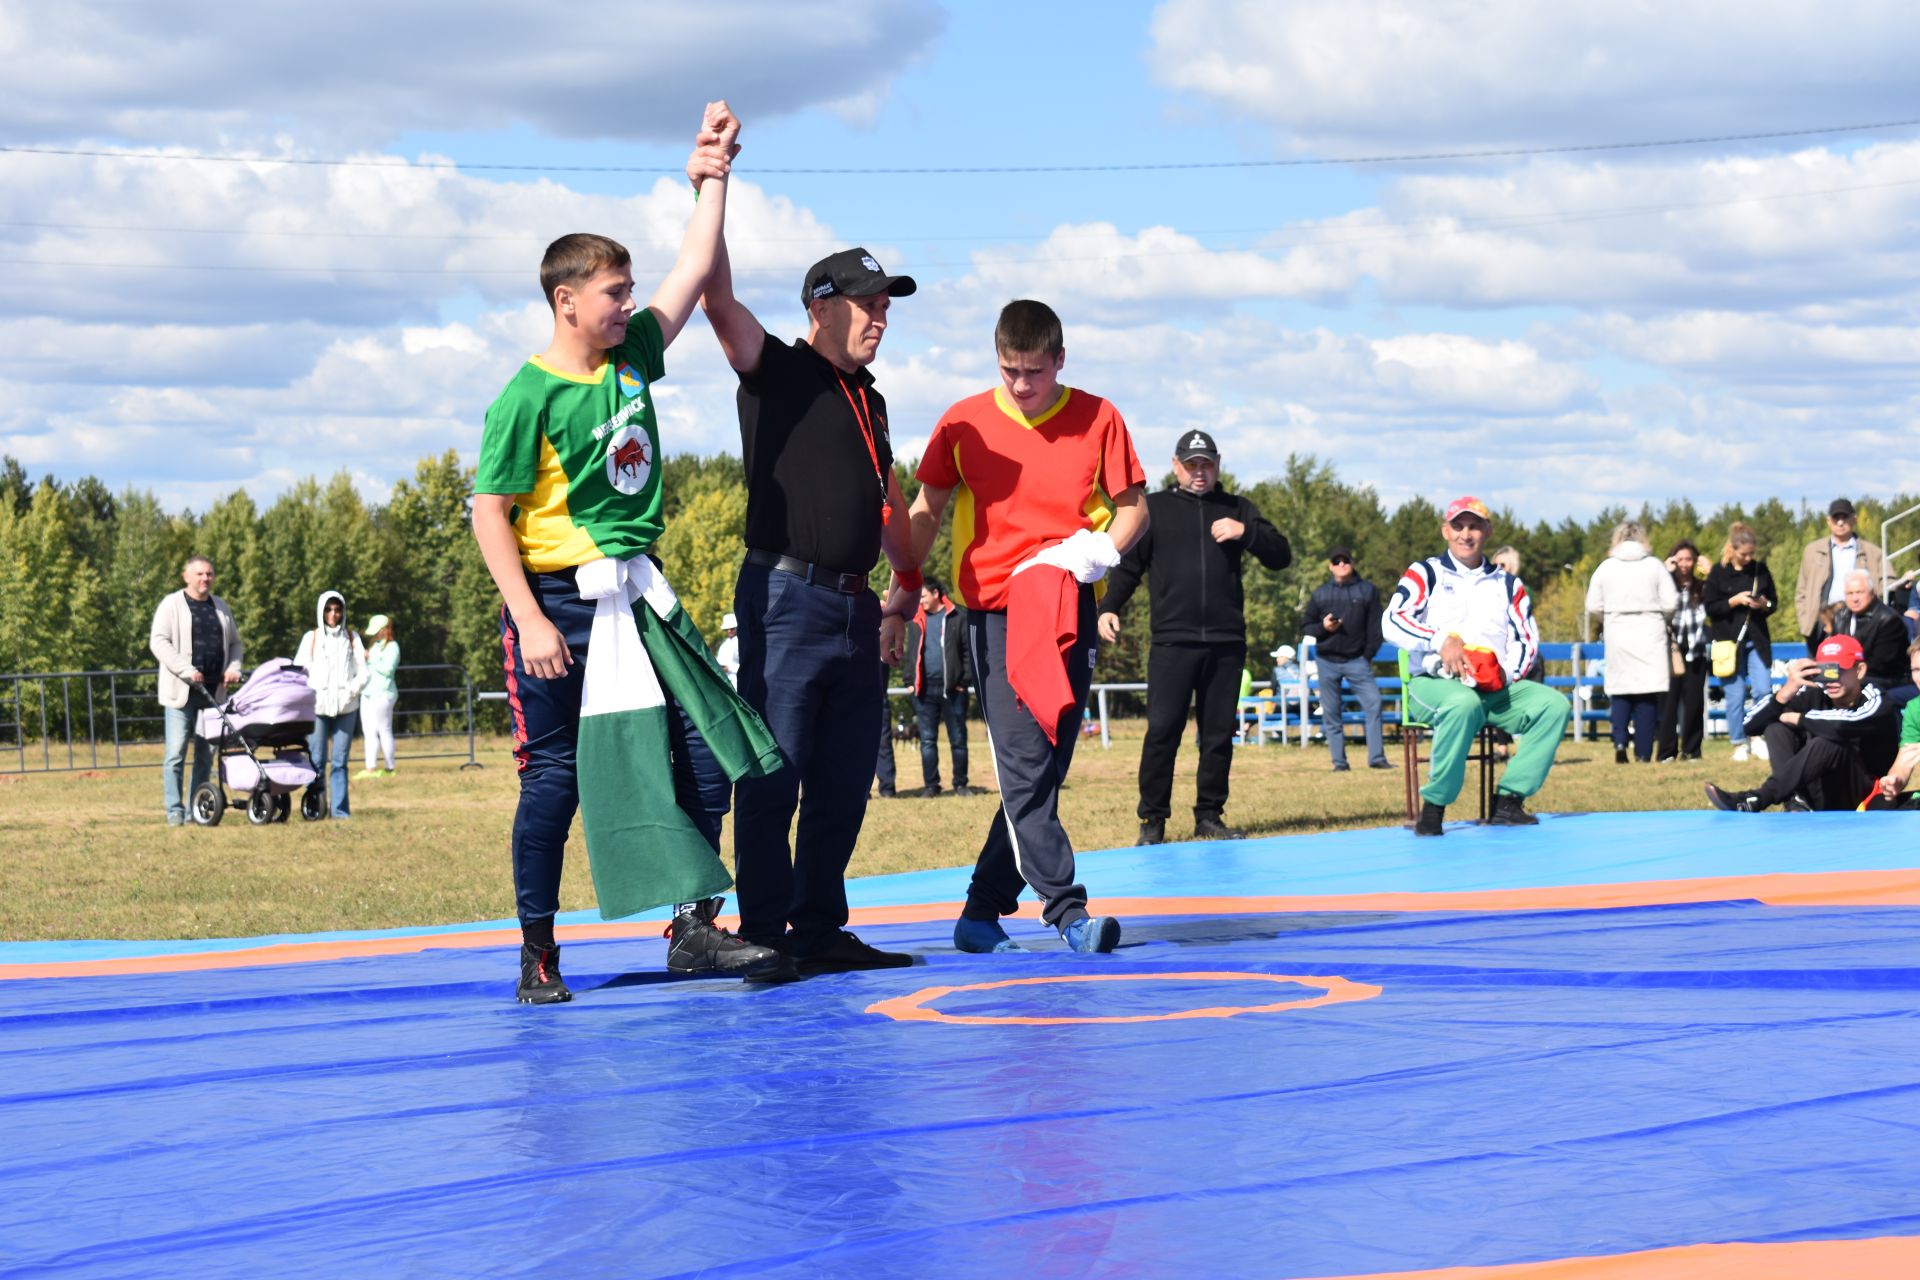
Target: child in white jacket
x=336, y=666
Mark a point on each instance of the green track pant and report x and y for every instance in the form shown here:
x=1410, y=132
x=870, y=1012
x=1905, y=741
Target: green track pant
x=1535, y=715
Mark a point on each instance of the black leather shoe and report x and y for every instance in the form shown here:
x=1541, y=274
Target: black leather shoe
x=886, y=793
x=1432, y=821
x=1619, y=755
x=1214, y=829
x=1510, y=810
x=1152, y=831
x=1379, y=764
x=929, y=791
x=962, y=789
x=1732, y=801
x=845, y=954
x=540, y=980
x=701, y=946
x=1341, y=766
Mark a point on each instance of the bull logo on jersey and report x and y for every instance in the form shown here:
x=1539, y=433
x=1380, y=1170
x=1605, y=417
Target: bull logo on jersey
x=630, y=383
x=629, y=459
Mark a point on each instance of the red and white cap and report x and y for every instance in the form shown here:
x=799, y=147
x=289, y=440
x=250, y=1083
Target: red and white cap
x=1467, y=505
x=1842, y=651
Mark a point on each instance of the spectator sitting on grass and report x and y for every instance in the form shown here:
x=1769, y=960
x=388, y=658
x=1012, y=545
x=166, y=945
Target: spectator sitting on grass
x=1830, y=735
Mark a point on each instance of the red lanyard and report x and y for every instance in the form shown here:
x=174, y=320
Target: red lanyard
x=864, y=416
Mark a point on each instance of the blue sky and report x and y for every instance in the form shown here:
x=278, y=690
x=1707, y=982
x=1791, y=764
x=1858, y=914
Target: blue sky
x=1558, y=332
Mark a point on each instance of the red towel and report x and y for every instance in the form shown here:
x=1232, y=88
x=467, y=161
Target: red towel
x=1043, y=625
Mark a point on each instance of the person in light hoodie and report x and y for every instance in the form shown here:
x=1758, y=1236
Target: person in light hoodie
x=1635, y=598
x=336, y=666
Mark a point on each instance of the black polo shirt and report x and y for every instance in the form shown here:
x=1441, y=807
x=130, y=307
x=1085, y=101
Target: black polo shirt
x=812, y=489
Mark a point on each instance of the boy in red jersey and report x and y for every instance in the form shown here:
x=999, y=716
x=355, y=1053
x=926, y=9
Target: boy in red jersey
x=1043, y=480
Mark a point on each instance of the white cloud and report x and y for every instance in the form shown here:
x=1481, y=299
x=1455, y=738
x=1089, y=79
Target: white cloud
x=230, y=72
x=1371, y=76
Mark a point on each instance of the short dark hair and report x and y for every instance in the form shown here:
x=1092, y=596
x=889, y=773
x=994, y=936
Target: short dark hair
x=577, y=256
x=930, y=583
x=1027, y=326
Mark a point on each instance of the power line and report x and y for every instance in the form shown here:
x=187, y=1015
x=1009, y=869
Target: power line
x=1422, y=157
x=1425, y=229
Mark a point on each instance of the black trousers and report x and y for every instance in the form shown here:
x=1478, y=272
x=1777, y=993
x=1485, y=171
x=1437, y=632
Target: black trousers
x=1026, y=845
x=1681, y=708
x=1205, y=677
x=1830, y=775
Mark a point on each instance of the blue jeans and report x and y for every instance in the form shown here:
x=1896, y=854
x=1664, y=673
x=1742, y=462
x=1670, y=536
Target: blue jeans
x=809, y=664
x=179, y=722
x=1641, y=711
x=932, y=710
x=1358, y=673
x=333, y=740
x=1750, y=681
x=546, y=732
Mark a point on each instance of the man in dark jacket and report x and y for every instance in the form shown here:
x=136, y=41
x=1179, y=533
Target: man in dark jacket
x=1343, y=617
x=1830, y=735
x=1197, y=537
x=1882, y=634
x=942, y=673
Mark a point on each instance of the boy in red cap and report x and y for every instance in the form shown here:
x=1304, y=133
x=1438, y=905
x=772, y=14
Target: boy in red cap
x=1830, y=735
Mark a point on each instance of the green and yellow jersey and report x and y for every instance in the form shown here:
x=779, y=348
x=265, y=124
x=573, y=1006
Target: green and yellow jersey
x=580, y=457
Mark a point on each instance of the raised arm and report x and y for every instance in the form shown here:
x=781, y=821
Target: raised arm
x=741, y=337
x=673, y=302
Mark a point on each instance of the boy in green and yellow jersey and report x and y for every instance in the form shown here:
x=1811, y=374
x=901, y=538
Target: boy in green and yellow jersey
x=605, y=697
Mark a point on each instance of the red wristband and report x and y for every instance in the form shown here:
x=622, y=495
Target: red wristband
x=910, y=580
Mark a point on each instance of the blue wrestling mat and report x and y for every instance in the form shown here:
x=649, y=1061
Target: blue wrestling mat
x=1332, y=1055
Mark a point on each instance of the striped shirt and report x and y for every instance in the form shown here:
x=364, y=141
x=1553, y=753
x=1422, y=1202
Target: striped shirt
x=1485, y=606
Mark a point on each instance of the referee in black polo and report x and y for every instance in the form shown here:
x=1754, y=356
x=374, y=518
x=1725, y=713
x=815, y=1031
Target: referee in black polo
x=822, y=503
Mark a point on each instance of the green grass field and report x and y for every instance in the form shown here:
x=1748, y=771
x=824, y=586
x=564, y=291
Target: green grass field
x=87, y=855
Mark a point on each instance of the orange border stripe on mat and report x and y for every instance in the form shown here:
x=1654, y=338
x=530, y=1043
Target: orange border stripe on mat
x=1881, y=1258
x=1833, y=888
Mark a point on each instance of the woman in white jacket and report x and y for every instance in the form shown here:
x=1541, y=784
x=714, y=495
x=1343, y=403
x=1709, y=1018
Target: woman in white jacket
x=336, y=665
x=1635, y=597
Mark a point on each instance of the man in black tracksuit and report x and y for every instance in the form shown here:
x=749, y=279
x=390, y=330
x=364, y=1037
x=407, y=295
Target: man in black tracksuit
x=1830, y=735
x=1197, y=534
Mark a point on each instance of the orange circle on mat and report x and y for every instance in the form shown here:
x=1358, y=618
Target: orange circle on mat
x=912, y=1008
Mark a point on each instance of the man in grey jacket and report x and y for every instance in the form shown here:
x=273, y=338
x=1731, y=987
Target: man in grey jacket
x=197, y=645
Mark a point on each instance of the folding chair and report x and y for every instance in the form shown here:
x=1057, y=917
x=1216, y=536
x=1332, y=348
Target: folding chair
x=1412, y=726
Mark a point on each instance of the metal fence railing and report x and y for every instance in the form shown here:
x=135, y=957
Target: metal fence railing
x=65, y=721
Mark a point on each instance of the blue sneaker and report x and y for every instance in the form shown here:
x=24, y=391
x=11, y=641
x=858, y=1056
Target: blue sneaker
x=1092, y=934
x=982, y=937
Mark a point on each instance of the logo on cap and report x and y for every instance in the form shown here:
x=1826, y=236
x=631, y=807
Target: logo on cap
x=824, y=289
x=869, y=264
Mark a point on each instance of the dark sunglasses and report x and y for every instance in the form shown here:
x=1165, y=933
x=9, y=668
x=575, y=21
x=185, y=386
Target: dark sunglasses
x=1339, y=559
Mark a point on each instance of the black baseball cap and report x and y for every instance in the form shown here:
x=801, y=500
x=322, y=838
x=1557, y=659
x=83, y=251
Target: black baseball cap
x=1341, y=553
x=1840, y=509
x=1196, y=444
x=852, y=273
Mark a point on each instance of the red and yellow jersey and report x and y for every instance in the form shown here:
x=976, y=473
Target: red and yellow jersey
x=1023, y=484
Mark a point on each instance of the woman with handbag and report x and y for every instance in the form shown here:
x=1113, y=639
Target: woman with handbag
x=1681, y=719
x=1739, y=598
x=1634, y=596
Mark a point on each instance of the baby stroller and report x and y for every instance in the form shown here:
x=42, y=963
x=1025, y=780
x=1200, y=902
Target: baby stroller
x=273, y=710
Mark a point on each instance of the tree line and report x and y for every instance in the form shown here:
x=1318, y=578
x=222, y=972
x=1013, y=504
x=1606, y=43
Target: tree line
x=82, y=568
